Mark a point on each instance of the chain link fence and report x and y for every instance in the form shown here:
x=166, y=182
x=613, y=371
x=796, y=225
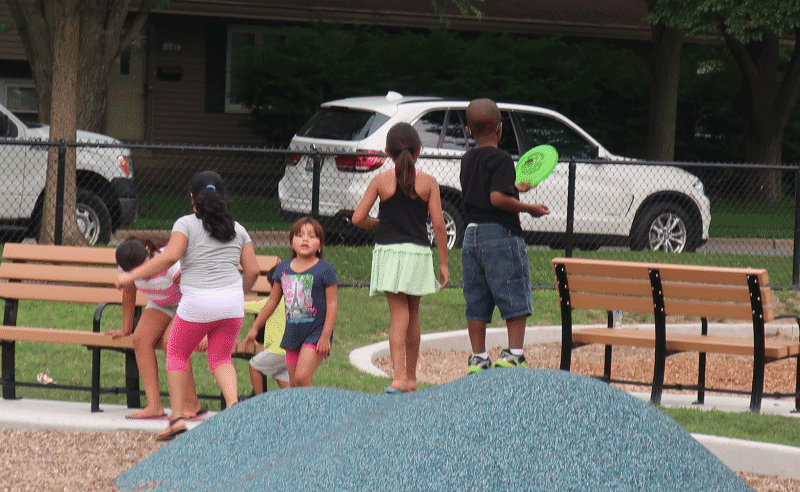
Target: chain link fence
x=701, y=213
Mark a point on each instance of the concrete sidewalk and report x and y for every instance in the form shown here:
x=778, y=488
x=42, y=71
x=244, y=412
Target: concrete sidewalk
x=26, y=413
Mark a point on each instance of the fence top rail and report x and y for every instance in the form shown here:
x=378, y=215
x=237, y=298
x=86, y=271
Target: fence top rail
x=335, y=152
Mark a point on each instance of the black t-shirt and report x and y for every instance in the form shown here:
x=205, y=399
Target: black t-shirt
x=484, y=170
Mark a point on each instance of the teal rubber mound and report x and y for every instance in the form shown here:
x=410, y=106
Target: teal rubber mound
x=497, y=430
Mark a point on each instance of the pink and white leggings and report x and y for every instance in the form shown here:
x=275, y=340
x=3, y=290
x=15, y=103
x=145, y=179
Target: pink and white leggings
x=186, y=335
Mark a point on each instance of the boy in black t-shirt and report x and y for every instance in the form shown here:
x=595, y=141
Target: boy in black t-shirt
x=494, y=254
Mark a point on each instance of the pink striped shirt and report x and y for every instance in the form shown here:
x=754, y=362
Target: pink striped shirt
x=162, y=288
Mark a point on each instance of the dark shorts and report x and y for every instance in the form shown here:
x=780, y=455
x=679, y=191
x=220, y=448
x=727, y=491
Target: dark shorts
x=495, y=273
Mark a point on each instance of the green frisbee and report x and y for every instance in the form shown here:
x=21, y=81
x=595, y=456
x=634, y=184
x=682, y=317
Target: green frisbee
x=536, y=164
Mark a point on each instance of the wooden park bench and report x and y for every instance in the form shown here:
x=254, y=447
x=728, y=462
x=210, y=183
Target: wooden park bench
x=663, y=290
x=82, y=275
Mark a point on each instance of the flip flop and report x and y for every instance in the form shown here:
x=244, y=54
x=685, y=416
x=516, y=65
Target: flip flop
x=196, y=416
x=142, y=415
x=170, y=432
x=392, y=391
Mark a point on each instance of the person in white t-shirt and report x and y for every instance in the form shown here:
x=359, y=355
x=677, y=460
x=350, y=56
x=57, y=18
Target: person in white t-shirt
x=210, y=245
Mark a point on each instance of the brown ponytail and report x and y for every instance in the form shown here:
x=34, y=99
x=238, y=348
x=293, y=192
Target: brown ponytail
x=402, y=143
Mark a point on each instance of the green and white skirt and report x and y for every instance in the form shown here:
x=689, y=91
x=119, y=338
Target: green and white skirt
x=405, y=267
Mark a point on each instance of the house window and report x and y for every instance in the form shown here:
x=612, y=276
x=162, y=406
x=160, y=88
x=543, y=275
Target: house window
x=19, y=96
x=240, y=38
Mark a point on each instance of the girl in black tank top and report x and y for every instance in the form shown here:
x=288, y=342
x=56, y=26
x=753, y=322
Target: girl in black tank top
x=402, y=263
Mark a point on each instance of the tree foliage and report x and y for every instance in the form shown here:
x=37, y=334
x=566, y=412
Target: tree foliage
x=745, y=20
x=598, y=85
x=752, y=30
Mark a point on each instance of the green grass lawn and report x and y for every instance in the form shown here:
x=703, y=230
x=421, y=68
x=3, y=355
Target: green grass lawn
x=730, y=217
x=256, y=213
x=734, y=217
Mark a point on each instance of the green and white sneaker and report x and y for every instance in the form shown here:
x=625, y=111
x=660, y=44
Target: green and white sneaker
x=507, y=359
x=477, y=364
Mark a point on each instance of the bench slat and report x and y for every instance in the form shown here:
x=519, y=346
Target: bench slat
x=262, y=286
x=64, y=293
x=681, y=342
x=73, y=337
x=669, y=272
x=620, y=286
x=82, y=255
x=608, y=302
x=675, y=290
x=715, y=310
x=59, y=273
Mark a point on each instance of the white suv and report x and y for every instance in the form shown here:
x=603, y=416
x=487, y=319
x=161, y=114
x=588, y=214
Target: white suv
x=617, y=204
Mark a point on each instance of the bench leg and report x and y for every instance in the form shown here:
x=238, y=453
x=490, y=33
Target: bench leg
x=95, y=406
x=660, y=336
x=757, y=393
x=8, y=371
x=701, y=369
x=132, y=380
x=658, y=377
x=759, y=358
x=701, y=379
x=797, y=386
x=566, y=318
x=607, y=364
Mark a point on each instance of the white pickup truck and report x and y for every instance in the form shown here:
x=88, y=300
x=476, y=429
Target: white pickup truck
x=106, y=198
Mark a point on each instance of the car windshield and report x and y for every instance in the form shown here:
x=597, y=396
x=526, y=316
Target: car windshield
x=342, y=124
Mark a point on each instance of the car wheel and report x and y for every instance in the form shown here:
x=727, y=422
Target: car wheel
x=453, y=225
x=664, y=227
x=94, y=220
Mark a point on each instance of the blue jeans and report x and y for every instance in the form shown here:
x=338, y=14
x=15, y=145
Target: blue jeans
x=495, y=273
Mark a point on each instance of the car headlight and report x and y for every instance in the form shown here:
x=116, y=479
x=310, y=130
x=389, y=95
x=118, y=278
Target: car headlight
x=698, y=188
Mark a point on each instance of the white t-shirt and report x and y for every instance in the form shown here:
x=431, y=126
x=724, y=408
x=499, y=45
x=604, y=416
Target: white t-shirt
x=211, y=284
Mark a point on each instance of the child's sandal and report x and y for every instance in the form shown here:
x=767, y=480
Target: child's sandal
x=171, y=432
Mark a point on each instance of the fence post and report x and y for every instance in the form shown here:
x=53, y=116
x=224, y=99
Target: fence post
x=570, y=209
x=796, y=255
x=62, y=163
x=317, y=170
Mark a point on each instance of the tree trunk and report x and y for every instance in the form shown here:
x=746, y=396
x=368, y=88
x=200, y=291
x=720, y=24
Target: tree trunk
x=103, y=36
x=101, y=29
x=63, y=127
x=763, y=145
x=665, y=73
x=768, y=97
x=33, y=22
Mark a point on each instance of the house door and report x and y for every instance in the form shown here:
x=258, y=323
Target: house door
x=127, y=92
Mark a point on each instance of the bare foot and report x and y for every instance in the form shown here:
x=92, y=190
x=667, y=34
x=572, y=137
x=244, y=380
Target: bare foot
x=404, y=386
x=147, y=413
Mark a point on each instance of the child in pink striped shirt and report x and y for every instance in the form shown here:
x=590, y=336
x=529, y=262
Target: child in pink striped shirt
x=152, y=330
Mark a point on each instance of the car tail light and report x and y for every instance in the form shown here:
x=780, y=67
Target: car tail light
x=293, y=159
x=123, y=164
x=360, y=163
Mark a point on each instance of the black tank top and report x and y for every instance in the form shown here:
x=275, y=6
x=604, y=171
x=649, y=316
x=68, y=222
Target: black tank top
x=402, y=220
